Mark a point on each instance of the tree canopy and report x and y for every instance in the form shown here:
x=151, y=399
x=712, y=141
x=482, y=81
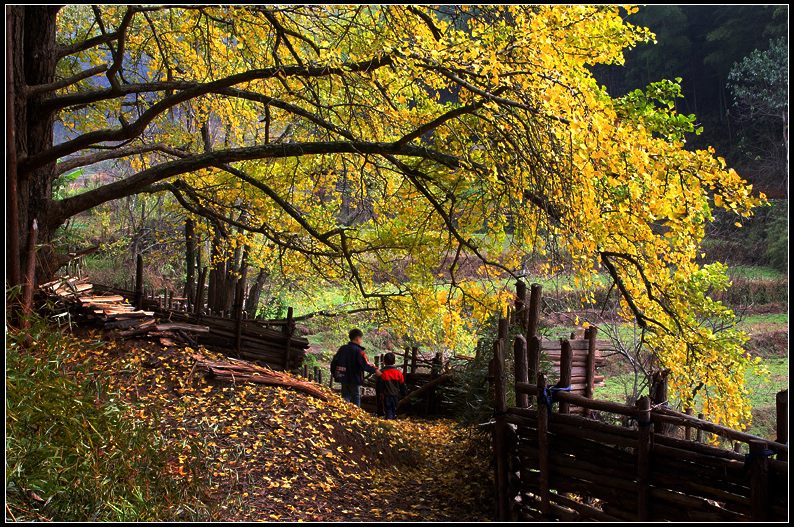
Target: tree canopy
x=396, y=145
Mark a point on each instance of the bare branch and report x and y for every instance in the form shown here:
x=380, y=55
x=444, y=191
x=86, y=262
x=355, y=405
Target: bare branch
x=89, y=159
x=63, y=83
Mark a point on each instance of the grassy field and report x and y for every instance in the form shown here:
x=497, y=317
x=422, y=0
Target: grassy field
x=755, y=272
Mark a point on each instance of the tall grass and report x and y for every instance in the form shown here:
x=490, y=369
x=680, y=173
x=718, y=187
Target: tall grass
x=75, y=452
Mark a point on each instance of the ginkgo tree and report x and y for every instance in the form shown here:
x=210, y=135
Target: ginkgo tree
x=391, y=146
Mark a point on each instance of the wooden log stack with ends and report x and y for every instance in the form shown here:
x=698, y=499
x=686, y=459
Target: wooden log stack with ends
x=250, y=339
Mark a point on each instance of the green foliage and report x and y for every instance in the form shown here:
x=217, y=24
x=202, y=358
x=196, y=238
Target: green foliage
x=74, y=452
x=759, y=81
x=654, y=107
x=60, y=186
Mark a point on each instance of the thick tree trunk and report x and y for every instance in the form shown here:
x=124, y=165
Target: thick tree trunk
x=32, y=36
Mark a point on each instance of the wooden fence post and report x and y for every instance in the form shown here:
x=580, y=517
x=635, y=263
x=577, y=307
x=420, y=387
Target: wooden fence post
x=699, y=432
x=500, y=425
x=643, y=456
x=519, y=315
x=688, y=429
x=566, y=361
x=534, y=310
x=139, y=282
x=781, y=414
x=533, y=359
x=504, y=328
x=543, y=447
x=405, y=361
x=659, y=396
x=414, y=353
x=590, y=335
x=521, y=373
x=316, y=374
x=759, y=480
x=305, y=371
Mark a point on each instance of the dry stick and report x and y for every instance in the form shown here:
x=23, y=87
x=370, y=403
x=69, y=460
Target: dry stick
x=565, y=372
x=643, y=456
x=419, y=391
x=521, y=373
x=30, y=274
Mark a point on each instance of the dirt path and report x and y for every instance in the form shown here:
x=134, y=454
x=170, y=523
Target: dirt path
x=267, y=453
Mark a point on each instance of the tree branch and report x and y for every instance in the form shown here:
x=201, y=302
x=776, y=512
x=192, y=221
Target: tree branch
x=89, y=159
x=131, y=185
x=63, y=83
x=137, y=127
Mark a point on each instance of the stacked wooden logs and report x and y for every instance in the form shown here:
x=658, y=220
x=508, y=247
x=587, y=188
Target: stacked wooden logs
x=113, y=312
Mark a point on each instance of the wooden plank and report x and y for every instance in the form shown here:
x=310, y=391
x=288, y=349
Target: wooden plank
x=194, y=328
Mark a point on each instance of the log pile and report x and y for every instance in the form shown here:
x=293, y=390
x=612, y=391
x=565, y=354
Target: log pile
x=113, y=312
x=237, y=371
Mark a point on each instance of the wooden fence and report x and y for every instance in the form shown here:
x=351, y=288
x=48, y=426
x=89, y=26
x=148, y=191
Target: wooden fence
x=556, y=465
x=271, y=342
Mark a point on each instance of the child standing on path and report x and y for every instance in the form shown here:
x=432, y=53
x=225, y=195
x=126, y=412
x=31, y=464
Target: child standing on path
x=392, y=386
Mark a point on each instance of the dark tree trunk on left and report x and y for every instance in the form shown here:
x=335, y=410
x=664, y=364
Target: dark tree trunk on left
x=32, y=37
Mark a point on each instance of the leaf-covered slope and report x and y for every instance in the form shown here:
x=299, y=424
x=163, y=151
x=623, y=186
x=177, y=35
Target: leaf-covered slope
x=276, y=454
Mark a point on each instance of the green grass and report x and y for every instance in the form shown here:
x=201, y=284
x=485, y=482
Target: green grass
x=774, y=319
x=74, y=452
x=755, y=272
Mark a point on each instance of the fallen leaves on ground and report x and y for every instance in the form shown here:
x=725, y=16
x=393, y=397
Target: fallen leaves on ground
x=272, y=454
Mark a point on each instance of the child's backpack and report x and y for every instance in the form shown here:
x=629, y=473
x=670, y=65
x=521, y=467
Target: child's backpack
x=338, y=371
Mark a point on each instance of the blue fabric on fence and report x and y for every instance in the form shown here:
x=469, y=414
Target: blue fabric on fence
x=548, y=395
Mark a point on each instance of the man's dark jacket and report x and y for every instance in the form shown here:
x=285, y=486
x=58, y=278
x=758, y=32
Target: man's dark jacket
x=352, y=358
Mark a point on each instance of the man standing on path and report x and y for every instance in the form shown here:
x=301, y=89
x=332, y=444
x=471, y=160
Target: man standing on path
x=348, y=367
